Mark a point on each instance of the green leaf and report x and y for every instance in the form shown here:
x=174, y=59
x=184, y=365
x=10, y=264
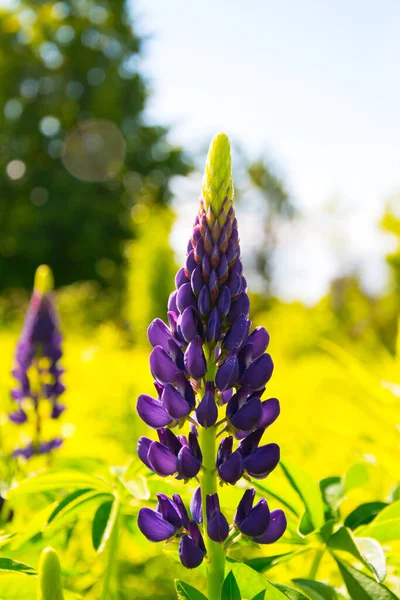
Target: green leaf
x=7, y=564
x=291, y=592
x=332, y=490
x=386, y=526
x=366, y=550
x=357, y=476
x=230, y=589
x=137, y=486
x=67, y=500
x=111, y=523
x=57, y=480
x=360, y=586
x=100, y=523
x=263, y=563
x=316, y=590
x=250, y=582
x=187, y=592
x=73, y=508
x=364, y=514
x=308, y=490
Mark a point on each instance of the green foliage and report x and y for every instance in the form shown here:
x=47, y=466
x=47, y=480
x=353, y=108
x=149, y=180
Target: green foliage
x=63, y=64
x=187, y=592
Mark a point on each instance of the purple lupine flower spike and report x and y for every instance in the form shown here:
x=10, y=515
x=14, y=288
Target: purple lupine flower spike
x=39, y=348
x=211, y=370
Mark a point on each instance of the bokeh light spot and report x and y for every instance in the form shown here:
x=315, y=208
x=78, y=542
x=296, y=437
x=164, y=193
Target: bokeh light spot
x=39, y=196
x=49, y=126
x=29, y=88
x=13, y=109
x=65, y=34
x=16, y=169
x=94, y=150
x=74, y=89
x=96, y=76
x=51, y=55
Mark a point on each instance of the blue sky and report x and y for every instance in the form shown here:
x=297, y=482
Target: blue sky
x=313, y=85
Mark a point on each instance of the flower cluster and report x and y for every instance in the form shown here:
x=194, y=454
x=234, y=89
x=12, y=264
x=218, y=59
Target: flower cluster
x=210, y=372
x=36, y=368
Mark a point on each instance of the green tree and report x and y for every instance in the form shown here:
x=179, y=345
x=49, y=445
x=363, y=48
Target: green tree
x=76, y=153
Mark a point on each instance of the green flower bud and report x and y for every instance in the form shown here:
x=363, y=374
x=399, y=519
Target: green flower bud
x=50, y=586
x=44, y=280
x=217, y=190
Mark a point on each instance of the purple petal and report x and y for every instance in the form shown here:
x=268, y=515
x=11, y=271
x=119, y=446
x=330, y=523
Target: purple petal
x=276, y=528
x=18, y=416
x=259, y=337
x=204, y=301
x=181, y=510
x=214, y=327
x=270, y=412
x=256, y=522
x=169, y=511
x=207, y=411
x=224, y=301
x=218, y=527
x=175, y=405
x=190, y=554
x=237, y=334
x=142, y=449
x=159, y=334
x=162, y=459
x=260, y=463
x=180, y=278
x=163, y=367
x=258, y=373
x=152, y=412
x=194, y=359
x=231, y=470
x=240, y=306
x=191, y=324
x=247, y=417
x=228, y=372
x=188, y=465
x=244, y=505
x=172, y=307
x=185, y=297
x=196, y=506
x=153, y=526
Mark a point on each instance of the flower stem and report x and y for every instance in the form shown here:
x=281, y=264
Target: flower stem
x=208, y=484
x=316, y=562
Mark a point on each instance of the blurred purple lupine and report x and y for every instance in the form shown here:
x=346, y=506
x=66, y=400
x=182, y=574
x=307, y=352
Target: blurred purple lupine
x=36, y=367
x=211, y=371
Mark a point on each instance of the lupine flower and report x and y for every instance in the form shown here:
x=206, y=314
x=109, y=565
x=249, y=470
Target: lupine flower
x=257, y=522
x=37, y=369
x=172, y=455
x=211, y=370
x=170, y=520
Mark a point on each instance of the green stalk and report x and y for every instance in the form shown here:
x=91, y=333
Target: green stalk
x=316, y=562
x=208, y=485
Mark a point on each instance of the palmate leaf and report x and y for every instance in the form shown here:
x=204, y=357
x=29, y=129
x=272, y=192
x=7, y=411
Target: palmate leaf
x=332, y=490
x=70, y=510
x=364, y=514
x=309, y=492
x=366, y=550
x=263, y=563
x=252, y=583
x=110, y=526
x=360, y=586
x=316, y=590
x=386, y=526
x=290, y=592
x=230, y=589
x=187, y=592
x=100, y=521
x=56, y=480
x=7, y=564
